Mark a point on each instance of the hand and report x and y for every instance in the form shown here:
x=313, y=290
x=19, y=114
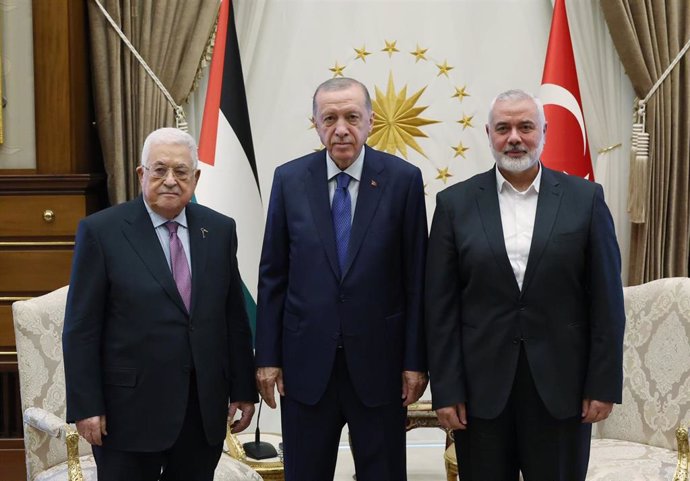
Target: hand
x=594, y=411
x=92, y=429
x=240, y=424
x=453, y=417
x=413, y=386
x=266, y=380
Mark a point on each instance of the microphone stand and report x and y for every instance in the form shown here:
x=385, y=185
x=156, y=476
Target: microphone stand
x=258, y=449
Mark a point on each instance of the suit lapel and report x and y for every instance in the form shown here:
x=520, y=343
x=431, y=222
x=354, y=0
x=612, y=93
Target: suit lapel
x=139, y=231
x=316, y=184
x=198, y=248
x=371, y=187
x=547, y=209
x=490, y=213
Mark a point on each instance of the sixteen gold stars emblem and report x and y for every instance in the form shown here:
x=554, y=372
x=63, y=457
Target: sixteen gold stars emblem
x=398, y=121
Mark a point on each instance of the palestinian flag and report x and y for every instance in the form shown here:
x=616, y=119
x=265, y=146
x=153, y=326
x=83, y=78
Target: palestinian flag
x=229, y=180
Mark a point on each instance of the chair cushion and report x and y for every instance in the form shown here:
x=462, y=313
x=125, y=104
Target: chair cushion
x=230, y=469
x=59, y=471
x=615, y=460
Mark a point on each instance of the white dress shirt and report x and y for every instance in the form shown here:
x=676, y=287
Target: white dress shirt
x=518, y=211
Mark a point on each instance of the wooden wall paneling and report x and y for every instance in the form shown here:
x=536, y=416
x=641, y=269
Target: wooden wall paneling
x=52, y=86
x=34, y=272
x=66, y=139
x=7, y=323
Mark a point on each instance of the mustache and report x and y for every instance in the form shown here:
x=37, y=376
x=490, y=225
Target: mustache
x=515, y=150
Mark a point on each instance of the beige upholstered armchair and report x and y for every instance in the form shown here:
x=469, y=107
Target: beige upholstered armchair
x=646, y=438
x=54, y=451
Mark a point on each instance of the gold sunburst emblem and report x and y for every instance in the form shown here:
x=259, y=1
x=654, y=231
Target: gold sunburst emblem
x=400, y=126
x=397, y=120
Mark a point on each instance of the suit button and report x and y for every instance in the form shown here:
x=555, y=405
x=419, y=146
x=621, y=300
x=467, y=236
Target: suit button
x=516, y=340
x=341, y=298
x=191, y=328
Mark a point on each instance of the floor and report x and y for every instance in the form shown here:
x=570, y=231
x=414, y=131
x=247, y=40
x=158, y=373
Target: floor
x=424, y=458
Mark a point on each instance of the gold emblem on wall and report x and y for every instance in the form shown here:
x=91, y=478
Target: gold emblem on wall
x=403, y=122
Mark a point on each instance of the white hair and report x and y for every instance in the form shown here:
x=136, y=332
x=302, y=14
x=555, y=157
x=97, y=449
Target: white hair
x=170, y=135
x=517, y=94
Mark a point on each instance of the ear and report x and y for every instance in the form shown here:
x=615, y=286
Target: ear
x=140, y=174
x=371, y=121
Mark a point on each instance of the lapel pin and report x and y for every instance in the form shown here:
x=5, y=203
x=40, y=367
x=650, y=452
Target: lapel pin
x=374, y=183
x=203, y=232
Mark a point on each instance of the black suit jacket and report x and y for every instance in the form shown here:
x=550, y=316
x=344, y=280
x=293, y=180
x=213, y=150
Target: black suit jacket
x=129, y=344
x=569, y=312
x=303, y=299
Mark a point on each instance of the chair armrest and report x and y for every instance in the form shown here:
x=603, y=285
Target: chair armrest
x=44, y=421
x=52, y=425
x=683, y=455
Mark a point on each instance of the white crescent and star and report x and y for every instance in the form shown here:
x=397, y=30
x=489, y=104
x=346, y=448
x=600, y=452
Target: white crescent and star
x=552, y=94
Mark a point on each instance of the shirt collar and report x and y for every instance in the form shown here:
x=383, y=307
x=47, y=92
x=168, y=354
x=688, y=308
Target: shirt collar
x=354, y=171
x=502, y=183
x=159, y=220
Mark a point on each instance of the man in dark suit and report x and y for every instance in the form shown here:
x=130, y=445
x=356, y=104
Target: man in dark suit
x=340, y=315
x=524, y=313
x=156, y=340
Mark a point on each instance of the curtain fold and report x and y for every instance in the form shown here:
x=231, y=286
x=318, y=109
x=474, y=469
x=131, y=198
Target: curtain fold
x=607, y=99
x=648, y=36
x=171, y=36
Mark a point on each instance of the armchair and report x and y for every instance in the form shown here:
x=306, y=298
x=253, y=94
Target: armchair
x=646, y=437
x=54, y=450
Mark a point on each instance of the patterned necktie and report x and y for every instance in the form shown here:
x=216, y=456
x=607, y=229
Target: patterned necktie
x=180, y=267
x=341, y=210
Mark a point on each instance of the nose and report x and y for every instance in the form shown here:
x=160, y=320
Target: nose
x=341, y=128
x=169, y=178
x=514, y=137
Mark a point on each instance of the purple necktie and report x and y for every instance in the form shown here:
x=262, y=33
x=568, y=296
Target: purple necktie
x=180, y=267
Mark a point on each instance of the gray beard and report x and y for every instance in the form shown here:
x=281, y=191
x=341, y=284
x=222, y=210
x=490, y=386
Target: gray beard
x=517, y=165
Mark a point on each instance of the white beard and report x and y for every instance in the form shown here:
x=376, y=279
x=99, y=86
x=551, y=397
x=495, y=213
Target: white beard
x=519, y=164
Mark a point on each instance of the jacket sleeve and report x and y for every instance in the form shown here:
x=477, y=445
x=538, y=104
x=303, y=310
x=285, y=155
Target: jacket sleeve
x=443, y=310
x=604, y=381
x=81, y=335
x=273, y=280
x=243, y=385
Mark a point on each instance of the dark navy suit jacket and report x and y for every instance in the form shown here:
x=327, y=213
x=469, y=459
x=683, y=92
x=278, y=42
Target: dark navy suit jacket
x=569, y=314
x=129, y=344
x=304, y=301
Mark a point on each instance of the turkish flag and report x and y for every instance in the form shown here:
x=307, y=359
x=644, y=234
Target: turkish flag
x=566, y=149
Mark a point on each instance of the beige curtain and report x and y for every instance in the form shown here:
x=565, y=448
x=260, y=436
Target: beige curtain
x=648, y=34
x=172, y=37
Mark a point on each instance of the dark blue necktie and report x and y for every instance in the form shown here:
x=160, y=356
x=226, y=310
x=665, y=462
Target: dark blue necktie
x=341, y=209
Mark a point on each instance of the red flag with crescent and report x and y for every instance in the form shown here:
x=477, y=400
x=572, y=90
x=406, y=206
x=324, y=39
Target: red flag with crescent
x=566, y=148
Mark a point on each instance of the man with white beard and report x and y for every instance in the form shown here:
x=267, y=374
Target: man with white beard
x=524, y=309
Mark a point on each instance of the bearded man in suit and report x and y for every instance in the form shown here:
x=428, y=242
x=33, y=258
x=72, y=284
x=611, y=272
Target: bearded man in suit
x=524, y=314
